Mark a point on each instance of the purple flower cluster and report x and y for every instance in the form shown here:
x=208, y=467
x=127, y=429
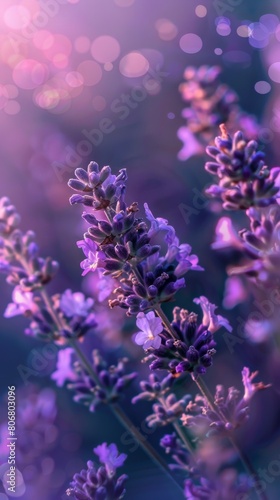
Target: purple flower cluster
x=181, y=456
x=227, y=484
x=167, y=408
x=259, y=245
x=243, y=178
x=105, y=384
x=191, y=348
x=209, y=103
x=57, y=318
x=231, y=411
x=100, y=483
x=19, y=253
x=125, y=247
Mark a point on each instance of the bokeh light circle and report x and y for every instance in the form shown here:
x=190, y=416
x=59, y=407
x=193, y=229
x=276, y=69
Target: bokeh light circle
x=43, y=39
x=74, y=79
x=191, y=43
x=274, y=72
x=262, y=87
x=29, y=74
x=259, y=35
x=17, y=17
x=223, y=29
x=133, y=65
x=108, y=66
x=243, y=31
x=166, y=29
x=201, y=11
x=90, y=71
x=105, y=49
x=82, y=44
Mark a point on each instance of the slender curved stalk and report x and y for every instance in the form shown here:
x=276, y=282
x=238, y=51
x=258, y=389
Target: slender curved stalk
x=147, y=447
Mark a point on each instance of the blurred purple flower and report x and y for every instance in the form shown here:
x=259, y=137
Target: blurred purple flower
x=22, y=303
x=109, y=456
x=251, y=388
x=151, y=327
x=75, y=304
x=226, y=236
x=212, y=321
x=64, y=368
x=235, y=292
x=259, y=331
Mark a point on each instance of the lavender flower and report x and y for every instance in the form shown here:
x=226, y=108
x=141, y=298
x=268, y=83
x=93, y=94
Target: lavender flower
x=243, y=178
x=151, y=327
x=258, y=246
x=227, y=484
x=100, y=483
x=108, y=455
x=212, y=321
x=23, y=304
x=64, y=367
x=75, y=304
x=232, y=410
x=181, y=456
x=57, y=318
x=167, y=410
x=106, y=384
x=154, y=388
x=93, y=256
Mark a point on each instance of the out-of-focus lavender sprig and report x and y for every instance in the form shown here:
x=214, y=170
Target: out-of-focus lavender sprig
x=210, y=103
x=166, y=408
x=244, y=180
x=192, y=347
x=232, y=410
x=227, y=484
x=68, y=315
x=112, y=381
x=100, y=482
x=19, y=252
x=175, y=447
x=259, y=245
x=125, y=247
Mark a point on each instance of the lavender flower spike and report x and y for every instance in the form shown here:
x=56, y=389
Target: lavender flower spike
x=100, y=483
x=244, y=180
